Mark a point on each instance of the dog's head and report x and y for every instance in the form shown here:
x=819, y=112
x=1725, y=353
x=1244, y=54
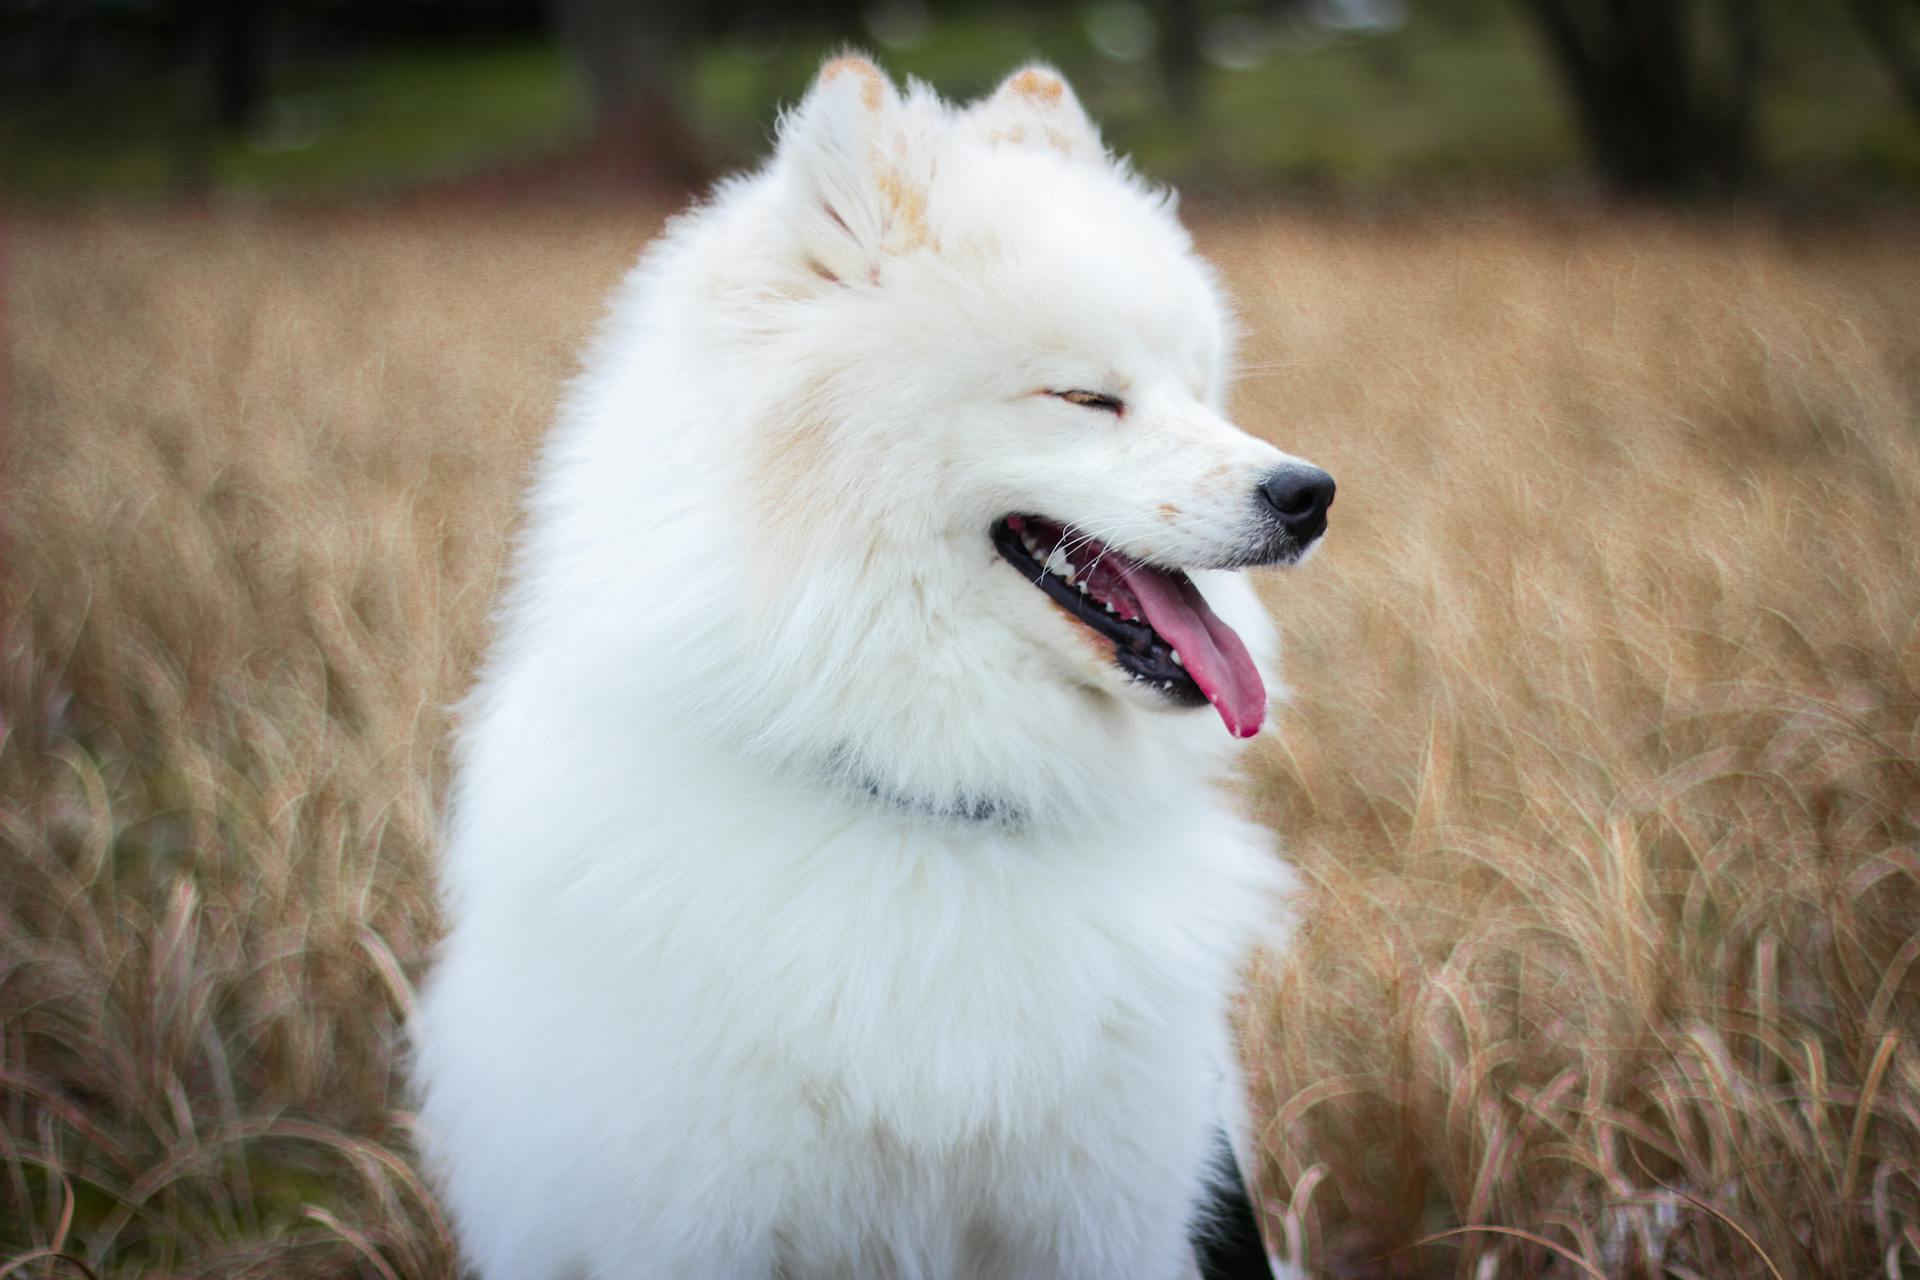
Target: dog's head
x=991, y=375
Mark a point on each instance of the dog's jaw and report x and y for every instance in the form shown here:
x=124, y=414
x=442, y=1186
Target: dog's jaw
x=1164, y=634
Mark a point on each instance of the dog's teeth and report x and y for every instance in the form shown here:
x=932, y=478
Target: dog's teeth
x=1176, y=659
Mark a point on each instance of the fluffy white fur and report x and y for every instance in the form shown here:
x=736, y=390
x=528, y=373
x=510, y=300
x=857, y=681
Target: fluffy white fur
x=823, y=902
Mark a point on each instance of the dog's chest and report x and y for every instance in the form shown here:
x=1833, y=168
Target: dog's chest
x=929, y=999
x=977, y=1173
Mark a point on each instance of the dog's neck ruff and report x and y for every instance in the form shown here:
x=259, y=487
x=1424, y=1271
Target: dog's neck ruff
x=964, y=808
x=960, y=808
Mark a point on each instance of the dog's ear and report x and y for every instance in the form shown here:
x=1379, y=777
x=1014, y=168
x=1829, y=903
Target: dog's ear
x=1036, y=107
x=849, y=153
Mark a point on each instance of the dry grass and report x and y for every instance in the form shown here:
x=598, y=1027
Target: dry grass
x=1604, y=770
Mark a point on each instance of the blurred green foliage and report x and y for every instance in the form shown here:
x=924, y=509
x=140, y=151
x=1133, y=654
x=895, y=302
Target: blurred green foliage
x=1455, y=98
x=1458, y=91
x=394, y=117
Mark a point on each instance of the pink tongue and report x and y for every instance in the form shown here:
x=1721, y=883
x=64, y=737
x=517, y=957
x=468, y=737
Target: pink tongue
x=1213, y=653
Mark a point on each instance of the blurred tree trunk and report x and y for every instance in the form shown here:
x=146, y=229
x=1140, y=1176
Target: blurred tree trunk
x=632, y=56
x=221, y=41
x=233, y=48
x=1891, y=36
x=1179, y=52
x=1662, y=90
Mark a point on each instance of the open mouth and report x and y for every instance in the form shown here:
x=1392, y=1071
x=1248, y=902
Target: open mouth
x=1163, y=633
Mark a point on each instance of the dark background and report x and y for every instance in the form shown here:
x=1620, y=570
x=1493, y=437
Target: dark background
x=1650, y=99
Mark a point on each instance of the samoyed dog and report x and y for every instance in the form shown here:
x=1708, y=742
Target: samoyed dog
x=841, y=877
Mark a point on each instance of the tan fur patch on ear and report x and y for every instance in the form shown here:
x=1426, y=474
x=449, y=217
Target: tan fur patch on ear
x=873, y=85
x=907, y=228
x=1016, y=134
x=1037, y=85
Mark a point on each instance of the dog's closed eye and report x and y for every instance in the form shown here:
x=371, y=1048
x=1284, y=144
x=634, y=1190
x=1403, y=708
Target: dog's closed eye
x=1092, y=400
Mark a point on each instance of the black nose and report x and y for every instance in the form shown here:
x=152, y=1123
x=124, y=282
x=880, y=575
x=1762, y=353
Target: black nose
x=1299, y=495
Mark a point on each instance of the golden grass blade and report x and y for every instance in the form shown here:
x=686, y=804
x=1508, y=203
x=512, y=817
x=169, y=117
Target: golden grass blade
x=361, y=1245
x=1516, y=1233
x=1733, y=1226
x=13, y=1265
x=1863, y=1113
x=65, y=1224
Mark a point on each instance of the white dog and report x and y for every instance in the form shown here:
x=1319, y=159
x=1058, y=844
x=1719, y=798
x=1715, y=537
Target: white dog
x=840, y=878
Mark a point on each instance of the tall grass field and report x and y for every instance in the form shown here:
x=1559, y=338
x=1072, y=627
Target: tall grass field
x=1601, y=770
